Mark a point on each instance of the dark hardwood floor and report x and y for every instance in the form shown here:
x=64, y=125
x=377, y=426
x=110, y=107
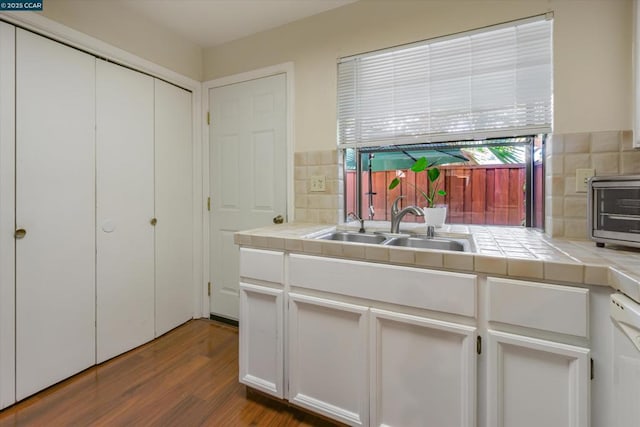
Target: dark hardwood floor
x=188, y=377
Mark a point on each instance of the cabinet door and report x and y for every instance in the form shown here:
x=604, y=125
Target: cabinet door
x=328, y=358
x=173, y=207
x=423, y=371
x=125, y=207
x=261, y=338
x=7, y=218
x=533, y=382
x=55, y=204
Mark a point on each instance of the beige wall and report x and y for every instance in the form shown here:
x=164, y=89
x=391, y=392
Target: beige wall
x=128, y=31
x=592, y=55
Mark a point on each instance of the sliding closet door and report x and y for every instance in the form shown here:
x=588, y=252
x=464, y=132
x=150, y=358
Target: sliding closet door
x=7, y=211
x=125, y=208
x=55, y=207
x=174, y=207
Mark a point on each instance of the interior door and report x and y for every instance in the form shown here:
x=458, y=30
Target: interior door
x=55, y=205
x=125, y=208
x=174, y=206
x=247, y=174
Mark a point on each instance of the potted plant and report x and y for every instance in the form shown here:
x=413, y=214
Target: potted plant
x=433, y=214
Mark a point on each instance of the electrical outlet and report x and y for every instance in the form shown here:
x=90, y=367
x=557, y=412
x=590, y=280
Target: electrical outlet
x=582, y=176
x=318, y=183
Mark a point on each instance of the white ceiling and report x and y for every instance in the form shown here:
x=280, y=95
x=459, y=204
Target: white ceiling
x=212, y=22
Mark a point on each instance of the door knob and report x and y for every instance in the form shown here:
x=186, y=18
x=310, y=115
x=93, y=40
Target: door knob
x=153, y=221
x=279, y=219
x=20, y=233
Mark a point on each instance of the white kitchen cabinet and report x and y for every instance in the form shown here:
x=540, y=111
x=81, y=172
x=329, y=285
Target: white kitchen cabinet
x=415, y=364
x=173, y=207
x=261, y=338
x=125, y=207
x=520, y=303
x=382, y=345
x=441, y=291
x=423, y=371
x=328, y=358
x=7, y=216
x=55, y=205
x=535, y=375
x=261, y=322
x=534, y=382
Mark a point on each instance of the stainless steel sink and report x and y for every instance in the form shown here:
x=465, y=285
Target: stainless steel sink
x=346, y=236
x=417, y=242
x=403, y=240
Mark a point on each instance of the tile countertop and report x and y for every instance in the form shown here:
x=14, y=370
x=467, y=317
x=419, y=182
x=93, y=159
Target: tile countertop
x=505, y=251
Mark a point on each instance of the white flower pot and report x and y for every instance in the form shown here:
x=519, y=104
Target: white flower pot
x=435, y=216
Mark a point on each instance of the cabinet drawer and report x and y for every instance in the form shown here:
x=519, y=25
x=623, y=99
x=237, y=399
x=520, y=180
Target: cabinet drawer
x=413, y=287
x=262, y=265
x=553, y=308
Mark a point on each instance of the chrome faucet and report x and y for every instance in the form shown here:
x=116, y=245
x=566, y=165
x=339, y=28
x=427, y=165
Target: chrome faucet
x=352, y=215
x=397, y=215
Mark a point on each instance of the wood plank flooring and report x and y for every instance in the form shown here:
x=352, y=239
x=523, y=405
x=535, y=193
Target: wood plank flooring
x=188, y=377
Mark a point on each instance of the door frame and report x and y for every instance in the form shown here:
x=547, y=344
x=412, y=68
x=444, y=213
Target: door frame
x=286, y=68
x=61, y=33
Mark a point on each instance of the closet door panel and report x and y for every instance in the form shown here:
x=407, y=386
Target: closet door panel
x=7, y=218
x=55, y=204
x=125, y=207
x=174, y=202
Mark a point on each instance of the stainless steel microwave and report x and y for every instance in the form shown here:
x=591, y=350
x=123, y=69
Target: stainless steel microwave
x=614, y=210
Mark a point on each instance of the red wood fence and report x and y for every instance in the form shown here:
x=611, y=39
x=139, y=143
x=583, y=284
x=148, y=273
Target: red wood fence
x=475, y=194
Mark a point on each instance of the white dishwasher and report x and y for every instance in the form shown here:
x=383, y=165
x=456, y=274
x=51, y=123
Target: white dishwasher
x=625, y=314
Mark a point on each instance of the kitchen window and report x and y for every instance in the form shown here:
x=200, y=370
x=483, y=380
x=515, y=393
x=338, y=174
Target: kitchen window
x=469, y=102
x=493, y=182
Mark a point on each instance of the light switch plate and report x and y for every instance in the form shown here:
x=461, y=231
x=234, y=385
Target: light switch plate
x=318, y=183
x=582, y=176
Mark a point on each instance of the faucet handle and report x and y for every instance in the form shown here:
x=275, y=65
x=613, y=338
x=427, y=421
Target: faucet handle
x=352, y=215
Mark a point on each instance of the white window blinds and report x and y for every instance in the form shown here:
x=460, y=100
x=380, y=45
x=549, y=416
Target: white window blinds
x=492, y=82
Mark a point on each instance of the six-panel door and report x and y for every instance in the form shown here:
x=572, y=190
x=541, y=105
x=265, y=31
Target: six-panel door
x=248, y=174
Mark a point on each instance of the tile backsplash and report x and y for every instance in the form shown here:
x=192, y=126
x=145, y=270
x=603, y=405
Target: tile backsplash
x=609, y=153
x=322, y=206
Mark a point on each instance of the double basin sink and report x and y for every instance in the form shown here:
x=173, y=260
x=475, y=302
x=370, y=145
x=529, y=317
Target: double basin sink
x=403, y=240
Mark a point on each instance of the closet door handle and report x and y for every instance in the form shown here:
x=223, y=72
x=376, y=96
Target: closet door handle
x=153, y=221
x=20, y=233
